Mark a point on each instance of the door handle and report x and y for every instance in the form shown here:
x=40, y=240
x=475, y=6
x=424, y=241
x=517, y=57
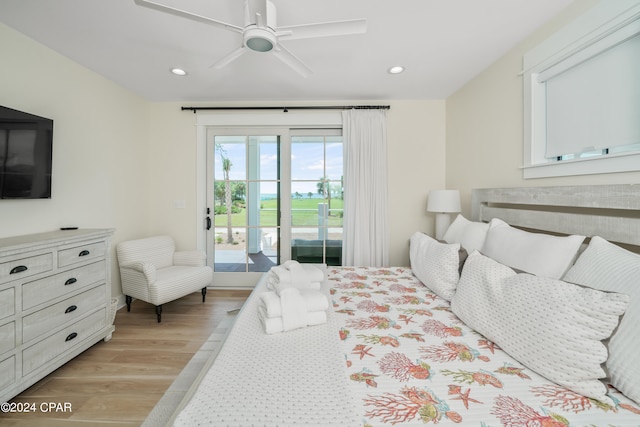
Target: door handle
x=208, y=223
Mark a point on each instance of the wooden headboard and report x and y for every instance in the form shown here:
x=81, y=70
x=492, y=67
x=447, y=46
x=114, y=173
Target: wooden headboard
x=609, y=211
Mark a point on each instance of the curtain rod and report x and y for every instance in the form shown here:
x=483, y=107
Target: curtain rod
x=286, y=109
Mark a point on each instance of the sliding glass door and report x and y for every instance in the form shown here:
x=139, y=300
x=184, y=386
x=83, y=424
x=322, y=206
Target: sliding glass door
x=272, y=195
x=243, y=202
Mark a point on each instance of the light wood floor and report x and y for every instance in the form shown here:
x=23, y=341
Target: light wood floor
x=118, y=383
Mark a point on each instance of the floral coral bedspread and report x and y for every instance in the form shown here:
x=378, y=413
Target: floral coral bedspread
x=411, y=361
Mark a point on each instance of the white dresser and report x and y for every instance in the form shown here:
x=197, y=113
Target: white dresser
x=55, y=295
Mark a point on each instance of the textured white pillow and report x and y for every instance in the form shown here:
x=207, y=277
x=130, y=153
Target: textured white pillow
x=553, y=327
x=435, y=264
x=606, y=266
x=469, y=234
x=540, y=254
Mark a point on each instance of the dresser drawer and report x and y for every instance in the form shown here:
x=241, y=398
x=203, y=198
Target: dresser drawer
x=7, y=337
x=15, y=268
x=81, y=253
x=47, y=319
x=58, y=343
x=7, y=303
x=7, y=372
x=43, y=290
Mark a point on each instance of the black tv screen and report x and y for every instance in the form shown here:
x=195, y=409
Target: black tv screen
x=26, y=144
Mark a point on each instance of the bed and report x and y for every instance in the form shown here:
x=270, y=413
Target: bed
x=434, y=343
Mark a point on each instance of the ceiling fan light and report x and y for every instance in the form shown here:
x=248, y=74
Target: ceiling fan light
x=259, y=44
x=259, y=39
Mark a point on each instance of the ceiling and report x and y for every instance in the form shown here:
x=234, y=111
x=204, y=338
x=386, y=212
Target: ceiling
x=441, y=43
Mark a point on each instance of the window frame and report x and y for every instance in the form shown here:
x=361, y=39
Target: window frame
x=595, y=31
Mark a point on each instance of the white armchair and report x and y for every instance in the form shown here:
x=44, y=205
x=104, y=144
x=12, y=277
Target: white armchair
x=151, y=270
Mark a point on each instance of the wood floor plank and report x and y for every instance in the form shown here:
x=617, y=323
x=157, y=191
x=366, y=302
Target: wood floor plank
x=118, y=383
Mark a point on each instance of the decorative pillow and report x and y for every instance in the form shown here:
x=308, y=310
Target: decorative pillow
x=540, y=254
x=469, y=234
x=555, y=328
x=435, y=264
x=608, y=267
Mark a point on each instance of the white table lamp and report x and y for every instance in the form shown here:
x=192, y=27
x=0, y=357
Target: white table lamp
x=443, y=203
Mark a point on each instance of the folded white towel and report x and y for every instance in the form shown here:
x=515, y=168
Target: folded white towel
x=294, y=311
x=294, y=271
x=274, y=324
x=313, y=301
x=297, y=278
x=279, y=287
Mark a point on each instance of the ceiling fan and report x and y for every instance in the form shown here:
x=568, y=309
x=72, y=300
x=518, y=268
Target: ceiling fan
x=260, y=32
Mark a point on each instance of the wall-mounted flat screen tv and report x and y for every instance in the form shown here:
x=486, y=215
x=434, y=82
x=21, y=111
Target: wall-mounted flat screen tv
x=26, y=143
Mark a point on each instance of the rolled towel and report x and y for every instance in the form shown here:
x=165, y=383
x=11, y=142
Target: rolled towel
x=279, y=287
x=313, y=301
x=289, y=263
x=274, y=325
x=282, y=274
x=297, y=278
x=272, y=280
x=315, y=273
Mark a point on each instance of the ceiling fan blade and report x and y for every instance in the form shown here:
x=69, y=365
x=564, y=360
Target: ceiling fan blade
x=325, y=29
x=292, y=61
x=188, y=15
x=229, y=58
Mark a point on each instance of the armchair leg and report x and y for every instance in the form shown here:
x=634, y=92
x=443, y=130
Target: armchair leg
x=128, y=300
x=159, y=312
x=204, y=292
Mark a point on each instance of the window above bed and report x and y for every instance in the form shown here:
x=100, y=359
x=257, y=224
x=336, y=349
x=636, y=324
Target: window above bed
x=582, y=95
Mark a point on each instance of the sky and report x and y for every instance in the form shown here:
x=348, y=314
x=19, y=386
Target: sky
x=311, y=159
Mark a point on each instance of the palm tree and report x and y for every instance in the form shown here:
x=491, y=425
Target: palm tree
x=324, y=189
x=226, y=167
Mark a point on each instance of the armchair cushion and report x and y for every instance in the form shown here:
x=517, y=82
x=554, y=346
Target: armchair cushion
x=152, y=270
x=190, y=258
x=178, y=281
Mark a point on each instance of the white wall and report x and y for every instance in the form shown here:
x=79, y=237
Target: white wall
x=100, y=171
x=416, y=138
x=485, y=125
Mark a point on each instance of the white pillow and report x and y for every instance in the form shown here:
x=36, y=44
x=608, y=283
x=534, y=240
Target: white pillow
x=554, y=328
x=606, y=266
x=435, y=264
x=540, y=254
x=469, y=234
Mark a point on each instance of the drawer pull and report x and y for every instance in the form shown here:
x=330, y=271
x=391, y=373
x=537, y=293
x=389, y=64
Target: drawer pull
x=70, y=309
x=71, y=336
x=18, y=269
x=70, y=281
x=84, y=253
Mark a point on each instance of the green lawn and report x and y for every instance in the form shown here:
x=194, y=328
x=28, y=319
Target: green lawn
x=305, y=213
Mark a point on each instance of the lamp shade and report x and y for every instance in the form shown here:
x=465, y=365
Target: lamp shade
x=444, y=201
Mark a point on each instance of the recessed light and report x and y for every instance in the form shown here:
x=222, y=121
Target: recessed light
x=396, y=70
x=178, y=71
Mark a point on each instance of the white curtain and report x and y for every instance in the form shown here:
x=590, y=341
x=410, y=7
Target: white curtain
x=366, y=217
